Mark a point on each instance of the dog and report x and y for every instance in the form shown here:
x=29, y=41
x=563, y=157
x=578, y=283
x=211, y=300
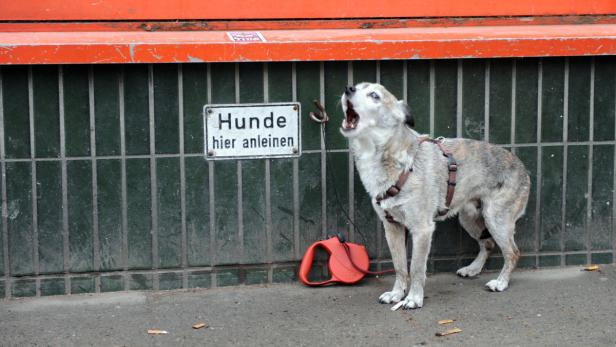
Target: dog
x=490, y=193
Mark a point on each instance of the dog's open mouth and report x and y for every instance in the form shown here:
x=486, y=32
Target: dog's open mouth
x=351, y=119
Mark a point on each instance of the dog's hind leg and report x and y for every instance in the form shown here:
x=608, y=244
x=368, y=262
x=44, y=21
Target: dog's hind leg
x=501, y=224
x=396, y=240
x=472, y=221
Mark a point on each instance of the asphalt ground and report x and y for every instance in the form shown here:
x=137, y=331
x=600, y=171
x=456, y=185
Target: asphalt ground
x=554, y=307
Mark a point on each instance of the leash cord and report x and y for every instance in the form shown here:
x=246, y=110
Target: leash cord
x=346, y=214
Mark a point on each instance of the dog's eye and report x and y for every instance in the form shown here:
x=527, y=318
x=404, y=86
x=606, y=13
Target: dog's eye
x=374, y=95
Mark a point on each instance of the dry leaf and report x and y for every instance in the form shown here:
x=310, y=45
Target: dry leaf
x=449, y=332
x=446, y=321
x=199, y=325
x=591, y=268
x=157, y=332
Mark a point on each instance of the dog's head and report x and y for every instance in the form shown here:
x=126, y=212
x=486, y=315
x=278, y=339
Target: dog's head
x=371, y=106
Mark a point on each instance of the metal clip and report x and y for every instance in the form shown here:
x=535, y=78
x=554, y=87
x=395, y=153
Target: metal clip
x=321, y=117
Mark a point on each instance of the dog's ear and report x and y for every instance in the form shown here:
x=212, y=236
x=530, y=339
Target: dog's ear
x=406, y=111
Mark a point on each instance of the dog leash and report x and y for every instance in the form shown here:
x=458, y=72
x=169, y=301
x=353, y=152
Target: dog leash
x=322, y=118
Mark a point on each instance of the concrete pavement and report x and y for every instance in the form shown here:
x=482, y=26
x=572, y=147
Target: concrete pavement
x=554, y=307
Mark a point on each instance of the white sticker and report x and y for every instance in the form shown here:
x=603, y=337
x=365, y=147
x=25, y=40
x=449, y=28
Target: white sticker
x=245, y=36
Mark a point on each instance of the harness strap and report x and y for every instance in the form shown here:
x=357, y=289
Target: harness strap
x=452, y=167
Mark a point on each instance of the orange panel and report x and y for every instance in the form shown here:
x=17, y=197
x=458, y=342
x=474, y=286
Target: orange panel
x=297, y=45
x=219, y=25
x=274, y=9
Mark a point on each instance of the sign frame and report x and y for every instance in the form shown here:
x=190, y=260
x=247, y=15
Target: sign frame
x=297, y=152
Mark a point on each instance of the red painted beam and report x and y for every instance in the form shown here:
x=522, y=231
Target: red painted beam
x=316, y=44
x=75, y=10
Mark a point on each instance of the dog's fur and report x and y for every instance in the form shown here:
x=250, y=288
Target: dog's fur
x=492, y=188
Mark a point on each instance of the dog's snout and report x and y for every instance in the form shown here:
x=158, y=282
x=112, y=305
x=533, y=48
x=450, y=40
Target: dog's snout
x=349, y=90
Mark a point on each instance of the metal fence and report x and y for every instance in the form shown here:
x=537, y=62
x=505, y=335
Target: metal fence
x=105, y=186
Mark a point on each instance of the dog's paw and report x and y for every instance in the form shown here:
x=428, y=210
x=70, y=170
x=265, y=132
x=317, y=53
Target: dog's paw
x=391, y=297
x=497, y=285
x=412, y=302
x=468, y=271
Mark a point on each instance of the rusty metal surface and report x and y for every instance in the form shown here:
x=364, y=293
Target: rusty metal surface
x=295, y=24
x=273, y=9
x=304, y=45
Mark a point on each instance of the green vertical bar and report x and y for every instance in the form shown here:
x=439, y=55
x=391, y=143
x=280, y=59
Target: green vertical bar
x=194, y=82
x=364, y=71
x=225, y=192
x=445, y=240
x=445, y=98
x=605, y=89
x=139, y=214
x=281, y=172
x=16, y=111
x=136, y=119
x=419, y=93
x=225, y=175
x=76, y=110
x=392, y=77
x=335, y=81
x=602, y=219
x=253, y=172
x=308, y=90
x=473, y=99
x=110, y=213
x=197, y=215
x=525, y=227
x=46, y=111
x=282, y=209
x=365, y=218
x=552, y=94
x=526, y=100
x=107, y=109
x=551, y=197
x=169, y=213
x=223, y=83
x=79, y=191
x=500, y=100
x=253, y=203
x=166, y=108
x=49, y=211
x=310, y=189
x=337, y=192
x=251, y=82
x=579, y=99
x=19, y=206
x=280, y=82
x=577, y=191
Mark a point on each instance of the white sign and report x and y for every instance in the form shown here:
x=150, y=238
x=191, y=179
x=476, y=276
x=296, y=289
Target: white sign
x=252, y=131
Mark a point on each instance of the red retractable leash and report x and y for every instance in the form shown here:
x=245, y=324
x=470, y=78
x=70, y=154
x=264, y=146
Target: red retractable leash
x=348, y=262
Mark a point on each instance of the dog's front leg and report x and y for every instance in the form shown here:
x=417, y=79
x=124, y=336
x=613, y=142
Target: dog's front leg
x=422, y=238
x=396, y=240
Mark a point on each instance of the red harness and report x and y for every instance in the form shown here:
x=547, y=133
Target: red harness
x=452, y=166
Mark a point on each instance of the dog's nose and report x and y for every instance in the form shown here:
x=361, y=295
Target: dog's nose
x=349, y=90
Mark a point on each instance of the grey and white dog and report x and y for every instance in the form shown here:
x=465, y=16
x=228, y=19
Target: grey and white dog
x=491, y=192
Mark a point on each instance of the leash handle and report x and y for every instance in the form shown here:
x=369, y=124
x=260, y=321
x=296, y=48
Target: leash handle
x=306, y=265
